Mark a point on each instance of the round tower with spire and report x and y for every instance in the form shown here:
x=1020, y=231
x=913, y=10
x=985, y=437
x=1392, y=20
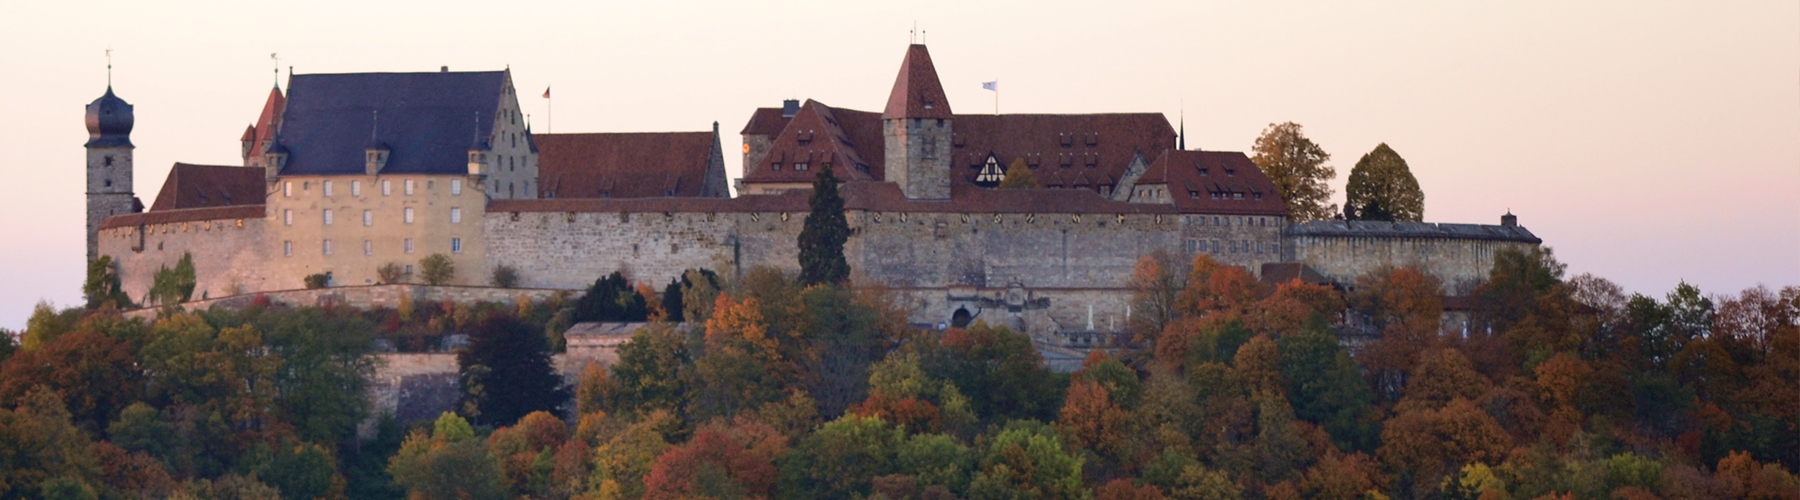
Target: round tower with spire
x=109, y=122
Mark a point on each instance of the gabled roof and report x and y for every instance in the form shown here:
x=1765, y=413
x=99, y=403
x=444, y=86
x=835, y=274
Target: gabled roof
x=204, y=186
x=849, y=140
x=917, y=92
x=1097, y=148
x=267, y=123
x=624, y=165
x=765, y=121
x=1193, y=177
x=862, y=195
x=428, y=120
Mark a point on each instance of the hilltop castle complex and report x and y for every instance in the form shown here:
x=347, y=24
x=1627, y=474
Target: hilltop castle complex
x=347, y=172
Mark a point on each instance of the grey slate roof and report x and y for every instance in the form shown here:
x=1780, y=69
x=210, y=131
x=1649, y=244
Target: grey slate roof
x=429, y=121
x=1378, y=229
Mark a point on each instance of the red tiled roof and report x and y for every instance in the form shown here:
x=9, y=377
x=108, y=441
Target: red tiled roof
x=868, y=196
x=184, y=215
x=1193, y=178
x=849, y=140
x=765, y=121
x=1063, y=150
x=266, y=123
x=917, y=92
x=624, y=165
x=199, y=186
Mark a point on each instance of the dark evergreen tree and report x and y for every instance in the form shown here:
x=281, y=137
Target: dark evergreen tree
x=671, y=301
x=506, y=372
x=1374, y=211
x=822, y=240
x=612, y=299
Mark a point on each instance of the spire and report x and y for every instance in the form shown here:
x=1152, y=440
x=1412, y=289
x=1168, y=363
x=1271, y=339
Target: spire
x=917, y=92
x=1183, y=136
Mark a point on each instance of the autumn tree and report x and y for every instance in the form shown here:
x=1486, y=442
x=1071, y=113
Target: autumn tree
x=1006, y=366
x=1426, y=445
x=95, y=376
x=1297, y=167
x=1403, y=306
x=714, y=464
x=1018, y=176
x=1026, y=460
x=448, y=463
x=822, y=239
x=1155, y=282
x=741, y=367
x=506, y=372
x=840, y=459
x=652, y=372
x=1382, y=179
x=40, y=444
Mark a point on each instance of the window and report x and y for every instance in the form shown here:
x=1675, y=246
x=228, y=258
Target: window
x=327, y=188
x=327, y=216
x=1194, y=194
x=368, y=217
x=455, y=186
x=287, y=248
x=775, y=166
x=1259, y=247
x=1274, y=248
x=409, y=249
x=287, y=217
x=430, y=185
x=327, y=247
x=386, y=187
x=801, y=167
x=409, y=217
x=409, y=187
x=1237, y=196
x=1232, y=246
x=368, y=247
x=109, y=160
x=455, y=245
x=355, y=188
x=287, y=189
x=455, y=215
x=409, y=269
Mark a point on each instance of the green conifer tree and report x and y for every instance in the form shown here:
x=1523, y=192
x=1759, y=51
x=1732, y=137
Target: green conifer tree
x=822, y=240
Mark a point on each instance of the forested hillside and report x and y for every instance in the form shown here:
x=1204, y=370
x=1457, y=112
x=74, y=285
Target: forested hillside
x=1545, y=386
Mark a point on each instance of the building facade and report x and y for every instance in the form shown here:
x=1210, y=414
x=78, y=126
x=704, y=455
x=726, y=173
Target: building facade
x=346, y=173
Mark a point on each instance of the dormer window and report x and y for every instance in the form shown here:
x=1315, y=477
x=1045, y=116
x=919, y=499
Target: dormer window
x=991, y=174
x=1202, y=171
x=1194, y=194
x=801, y=167
x=1237, y=196
x=775, y=166
x=1230, y=172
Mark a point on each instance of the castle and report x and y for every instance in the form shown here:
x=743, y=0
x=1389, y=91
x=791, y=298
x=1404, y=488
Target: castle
x=347, y=172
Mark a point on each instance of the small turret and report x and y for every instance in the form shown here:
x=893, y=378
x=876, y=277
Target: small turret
x=1509, y=220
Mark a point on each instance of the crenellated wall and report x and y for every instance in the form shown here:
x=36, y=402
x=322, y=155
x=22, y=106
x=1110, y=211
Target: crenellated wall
x=229, y=257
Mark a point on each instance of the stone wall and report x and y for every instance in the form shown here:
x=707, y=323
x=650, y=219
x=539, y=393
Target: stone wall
x=229, y=257
x=1461, y=263
x=371, y=297
x=569, y=250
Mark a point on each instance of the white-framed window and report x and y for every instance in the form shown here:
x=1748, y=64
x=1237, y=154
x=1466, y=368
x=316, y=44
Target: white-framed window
x=455, y=186
x=355, y=188
x=409, y=187
x=368, y=217
x=327, y=213
x=287, y=217
x=327, y=188
x=455, y=245
x=408, y=215
x=387, y=187
x=409, y=269
x=368, y=247
x=287, y=248
x=409, y=249
x=327, y=247
x=455, y=215
x=287, y=189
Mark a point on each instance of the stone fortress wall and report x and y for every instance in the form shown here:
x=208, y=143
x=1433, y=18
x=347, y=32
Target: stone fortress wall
x=227, y=245
x=1459, y=254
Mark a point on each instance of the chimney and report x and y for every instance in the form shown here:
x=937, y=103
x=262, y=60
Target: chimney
x=443, y=69
x=1509, y=220
x=790, y=107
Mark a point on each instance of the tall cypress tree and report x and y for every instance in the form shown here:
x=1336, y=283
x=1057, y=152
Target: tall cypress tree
x=822, y=240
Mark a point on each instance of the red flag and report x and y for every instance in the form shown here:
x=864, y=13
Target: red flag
x=546, y=92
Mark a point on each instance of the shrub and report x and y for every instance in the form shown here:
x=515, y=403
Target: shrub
x=436, y=269
x=505, y=276
x=317, y=280
x=391, y=273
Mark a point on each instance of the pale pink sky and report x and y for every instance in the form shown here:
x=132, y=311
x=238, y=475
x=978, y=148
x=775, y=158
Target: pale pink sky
x=1647, y=142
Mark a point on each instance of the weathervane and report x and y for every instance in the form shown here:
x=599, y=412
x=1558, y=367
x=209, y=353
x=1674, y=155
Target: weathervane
x=277, y=62
x=109, y=66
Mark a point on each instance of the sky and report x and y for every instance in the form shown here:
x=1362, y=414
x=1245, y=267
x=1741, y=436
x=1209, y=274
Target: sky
x=1647, y=142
